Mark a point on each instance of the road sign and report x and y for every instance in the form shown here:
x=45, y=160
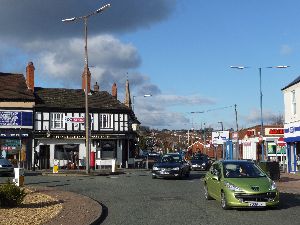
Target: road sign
x=219, y=137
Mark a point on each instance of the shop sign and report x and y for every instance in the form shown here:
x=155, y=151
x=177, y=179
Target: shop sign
x=12, y=134
x=75, y=119
x=15, y=119
x=250, y=133
x=274, y=131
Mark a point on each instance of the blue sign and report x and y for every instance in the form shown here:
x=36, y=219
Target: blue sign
x=15, y=118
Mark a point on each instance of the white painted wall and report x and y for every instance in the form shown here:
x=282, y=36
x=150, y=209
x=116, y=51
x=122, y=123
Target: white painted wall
x=287, y=98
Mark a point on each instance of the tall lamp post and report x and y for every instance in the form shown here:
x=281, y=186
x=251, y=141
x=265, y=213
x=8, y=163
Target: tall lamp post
x=133, y=97
x=260, y=98
x=86, y=65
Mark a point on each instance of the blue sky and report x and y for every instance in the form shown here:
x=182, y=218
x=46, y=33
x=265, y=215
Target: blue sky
x=178, y=51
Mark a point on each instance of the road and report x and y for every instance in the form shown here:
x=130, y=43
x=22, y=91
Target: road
x=136, y=198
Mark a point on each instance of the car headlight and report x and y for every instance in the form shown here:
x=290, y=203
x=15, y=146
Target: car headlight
x=155, y=168
x=203, y=164
x=273, y=186
x=231, y=186
x=175, y=168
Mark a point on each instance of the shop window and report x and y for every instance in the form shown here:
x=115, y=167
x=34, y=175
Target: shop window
x=65, y=152
x=108, y=149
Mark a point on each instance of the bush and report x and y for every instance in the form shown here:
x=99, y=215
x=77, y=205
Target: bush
x=11, y=195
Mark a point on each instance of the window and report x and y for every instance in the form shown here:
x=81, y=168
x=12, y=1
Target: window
x=294, y=102
x=105, y=121
x=57, y=121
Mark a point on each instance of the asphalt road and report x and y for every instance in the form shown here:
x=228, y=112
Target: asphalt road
x=136, y=198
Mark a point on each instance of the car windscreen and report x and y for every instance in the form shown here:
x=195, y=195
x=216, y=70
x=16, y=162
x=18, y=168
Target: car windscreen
x=4, y=162
x=170, y=158
x=242, y=170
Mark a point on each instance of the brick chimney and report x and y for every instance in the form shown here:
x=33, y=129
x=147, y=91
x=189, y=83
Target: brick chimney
x=96, y=87
x=30, y=76
x=114, y=91
x=86, y=72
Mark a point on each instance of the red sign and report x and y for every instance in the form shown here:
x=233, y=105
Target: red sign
x=75, y=119
x=280, y=142
x=250, y=133
x=276, y=131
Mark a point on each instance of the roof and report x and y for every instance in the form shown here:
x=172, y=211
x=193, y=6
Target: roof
x=13, y=88
x=61, y=98
x=297, y=80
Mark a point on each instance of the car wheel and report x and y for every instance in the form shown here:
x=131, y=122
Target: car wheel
x=224, y=201
x=187, y=174
x=206, y=195
x=154, y=176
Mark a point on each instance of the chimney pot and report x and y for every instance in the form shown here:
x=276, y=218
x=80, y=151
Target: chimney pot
x=30, y=76
x=96, y=87
x=114, y=90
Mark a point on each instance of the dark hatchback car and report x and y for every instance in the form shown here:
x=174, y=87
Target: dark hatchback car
x=171, y=165
x=6, y=167
x=200, y=162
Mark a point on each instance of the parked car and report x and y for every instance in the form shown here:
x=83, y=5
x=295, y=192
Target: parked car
x=171, y=165
x=200, y=162
x=240, y=183
x=6, y=167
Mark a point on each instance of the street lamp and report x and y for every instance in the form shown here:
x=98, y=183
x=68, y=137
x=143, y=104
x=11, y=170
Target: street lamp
x=221, y=125
x=87, y=130
x=133, y=97
x=261, y=95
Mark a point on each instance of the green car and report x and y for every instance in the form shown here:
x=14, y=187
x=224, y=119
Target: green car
x=240, y=183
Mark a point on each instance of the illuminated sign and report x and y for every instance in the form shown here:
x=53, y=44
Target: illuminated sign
x=274, y=131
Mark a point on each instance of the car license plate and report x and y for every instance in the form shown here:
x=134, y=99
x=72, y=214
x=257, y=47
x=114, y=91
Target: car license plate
x=257, y=204
x=164, y=172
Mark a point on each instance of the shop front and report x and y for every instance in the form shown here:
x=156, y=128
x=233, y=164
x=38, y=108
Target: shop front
x=69, y=152
x=275, y=145
x=16, y=136
x=292, y=138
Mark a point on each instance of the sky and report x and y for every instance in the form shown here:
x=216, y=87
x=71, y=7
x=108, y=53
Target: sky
x=179, y=51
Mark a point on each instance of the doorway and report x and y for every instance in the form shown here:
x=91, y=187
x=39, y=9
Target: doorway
x=44, y=157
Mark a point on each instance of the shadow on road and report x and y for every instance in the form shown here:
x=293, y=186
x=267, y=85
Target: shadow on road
x=289, y=200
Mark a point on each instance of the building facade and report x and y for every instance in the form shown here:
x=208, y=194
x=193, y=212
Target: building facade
x=291, y=96
x=49, y=124
x=16, y=113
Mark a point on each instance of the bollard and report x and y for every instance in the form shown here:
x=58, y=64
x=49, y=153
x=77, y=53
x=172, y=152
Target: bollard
x=113, y=165
x=19, y=177
x=126, y=164
x=55, y=169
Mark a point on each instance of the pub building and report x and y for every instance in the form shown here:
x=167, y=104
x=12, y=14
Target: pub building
x=46, y=125
x=16, y=113
x=59, y=131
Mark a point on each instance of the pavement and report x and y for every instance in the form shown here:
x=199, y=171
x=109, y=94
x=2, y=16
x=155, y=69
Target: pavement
x=289, y=183
x=79, y=209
